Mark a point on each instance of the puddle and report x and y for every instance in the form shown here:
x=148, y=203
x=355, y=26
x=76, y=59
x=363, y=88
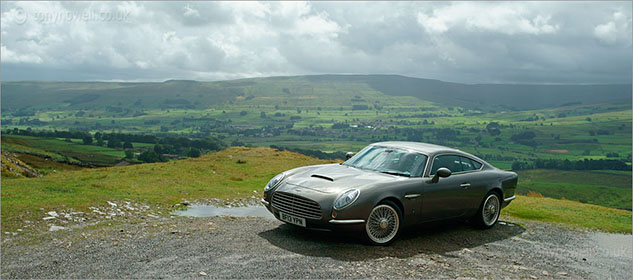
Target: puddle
x=212, y=211
x=616, y=245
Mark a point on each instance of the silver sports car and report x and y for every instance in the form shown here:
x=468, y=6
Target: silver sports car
x=388, y=186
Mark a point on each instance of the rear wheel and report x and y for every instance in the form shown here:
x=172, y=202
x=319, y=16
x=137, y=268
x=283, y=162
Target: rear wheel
x=488, y=213
x=383, y=223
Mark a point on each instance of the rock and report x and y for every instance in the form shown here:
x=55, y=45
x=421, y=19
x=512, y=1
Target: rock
x=533, y=277
x=562, y=273
x=112, y=204
x=545, y=272
x=48, y=218
x=421, y=262
x=203, y=273
x=52, y=214
x=152, y=216
x=56, y=228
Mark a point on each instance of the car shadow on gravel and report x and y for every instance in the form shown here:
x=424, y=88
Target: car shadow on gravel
x=436, y=238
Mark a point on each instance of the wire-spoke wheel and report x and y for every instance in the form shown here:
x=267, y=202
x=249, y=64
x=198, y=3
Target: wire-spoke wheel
x=488, y=214
x=383, y=223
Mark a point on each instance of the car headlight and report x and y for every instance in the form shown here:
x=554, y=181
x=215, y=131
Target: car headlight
x=274, y=181
x=346, y=199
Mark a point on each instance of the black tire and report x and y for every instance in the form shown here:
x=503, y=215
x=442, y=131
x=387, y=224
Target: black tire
x=385, y=225
x=489, y=211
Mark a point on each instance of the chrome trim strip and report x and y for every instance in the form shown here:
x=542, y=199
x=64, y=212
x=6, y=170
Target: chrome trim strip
x=509, y=199
x=266, y=203
x=413, y=195
x=346, y=222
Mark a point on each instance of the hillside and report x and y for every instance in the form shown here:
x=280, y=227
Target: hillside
x=236, y=172
x=13, y=167
x=298, y=91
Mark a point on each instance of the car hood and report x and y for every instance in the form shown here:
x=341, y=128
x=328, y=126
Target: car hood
x=334, y=178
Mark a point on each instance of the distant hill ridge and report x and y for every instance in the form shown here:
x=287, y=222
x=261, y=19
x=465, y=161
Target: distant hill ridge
x=197, y=95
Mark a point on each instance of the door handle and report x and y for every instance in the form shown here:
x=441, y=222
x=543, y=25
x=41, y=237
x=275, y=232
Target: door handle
x=465, y=185
x=412, y=195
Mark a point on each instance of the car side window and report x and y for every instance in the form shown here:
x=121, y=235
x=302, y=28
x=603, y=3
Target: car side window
x=476, y=164
x=453, y=163
x=467, y=164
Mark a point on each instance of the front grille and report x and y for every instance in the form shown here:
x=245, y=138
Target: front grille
x=296, y=205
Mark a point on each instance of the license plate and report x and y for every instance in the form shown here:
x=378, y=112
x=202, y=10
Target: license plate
x=292, y=219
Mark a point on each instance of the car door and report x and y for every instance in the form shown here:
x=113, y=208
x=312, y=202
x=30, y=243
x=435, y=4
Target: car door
x=411, y=189
x=441, y=200
x=473, y=183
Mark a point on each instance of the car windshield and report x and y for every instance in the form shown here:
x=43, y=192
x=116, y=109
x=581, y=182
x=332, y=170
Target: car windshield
x=389, y=160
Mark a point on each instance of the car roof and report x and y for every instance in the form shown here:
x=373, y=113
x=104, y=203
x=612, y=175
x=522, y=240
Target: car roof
x=417, y=146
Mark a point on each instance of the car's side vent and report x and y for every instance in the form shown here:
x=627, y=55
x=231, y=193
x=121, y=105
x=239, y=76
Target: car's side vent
x=322, y=177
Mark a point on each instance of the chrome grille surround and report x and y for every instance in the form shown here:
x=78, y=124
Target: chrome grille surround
x=296, y=205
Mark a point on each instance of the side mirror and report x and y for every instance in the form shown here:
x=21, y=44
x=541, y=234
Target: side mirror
x=348, y=155
x=442, y=172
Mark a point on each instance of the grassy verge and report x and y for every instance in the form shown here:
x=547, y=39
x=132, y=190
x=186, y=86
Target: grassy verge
x=569, y=213
x=217, y=175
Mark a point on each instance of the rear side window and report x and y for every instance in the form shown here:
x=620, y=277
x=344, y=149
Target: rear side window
x=453, y=163
x=476, y=164
x=467, y=164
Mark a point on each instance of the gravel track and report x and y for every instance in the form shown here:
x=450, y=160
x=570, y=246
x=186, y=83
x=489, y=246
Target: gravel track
x=228, y=247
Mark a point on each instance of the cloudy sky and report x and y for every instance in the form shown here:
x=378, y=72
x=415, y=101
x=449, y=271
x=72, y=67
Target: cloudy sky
x=471, y=42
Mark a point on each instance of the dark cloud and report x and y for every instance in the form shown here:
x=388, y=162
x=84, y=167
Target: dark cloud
x=473, y=42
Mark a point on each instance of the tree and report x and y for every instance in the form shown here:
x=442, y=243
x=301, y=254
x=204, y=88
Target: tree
x=493, y=128
x=128, y=145
x=237, y=143
x=114, y=143
x=243, y=113
x=129, y=154
x=193, y=152
x=149, y=156
x=87, y=140
x=262, y=115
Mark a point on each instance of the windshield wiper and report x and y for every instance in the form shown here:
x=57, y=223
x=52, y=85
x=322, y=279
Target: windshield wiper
x=395, y=173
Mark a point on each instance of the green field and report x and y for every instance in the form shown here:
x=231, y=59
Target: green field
x=220, y=175
x=60, y=150
x=594, y=187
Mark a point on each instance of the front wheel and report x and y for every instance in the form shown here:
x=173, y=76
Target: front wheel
x=488, y=213
x=383, y=223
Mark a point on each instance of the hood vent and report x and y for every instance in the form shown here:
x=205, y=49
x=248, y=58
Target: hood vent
x=322, y=177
